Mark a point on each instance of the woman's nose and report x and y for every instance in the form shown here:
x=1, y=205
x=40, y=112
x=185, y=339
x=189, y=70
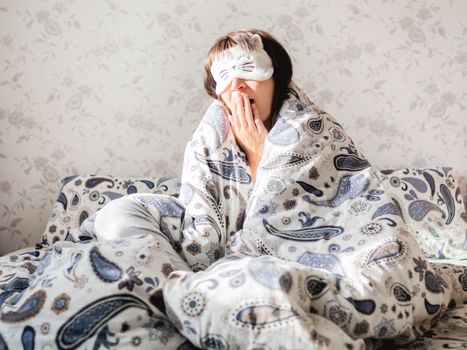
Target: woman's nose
x=237, y=84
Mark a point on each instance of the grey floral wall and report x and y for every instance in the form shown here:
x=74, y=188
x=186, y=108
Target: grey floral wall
x=115, y=87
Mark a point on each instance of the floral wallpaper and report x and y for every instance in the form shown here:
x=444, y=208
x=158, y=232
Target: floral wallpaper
x=115, y=87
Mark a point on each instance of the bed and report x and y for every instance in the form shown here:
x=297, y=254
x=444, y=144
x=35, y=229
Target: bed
x=49, y=300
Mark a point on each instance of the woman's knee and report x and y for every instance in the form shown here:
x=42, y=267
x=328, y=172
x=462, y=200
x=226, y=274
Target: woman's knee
x=122, y=217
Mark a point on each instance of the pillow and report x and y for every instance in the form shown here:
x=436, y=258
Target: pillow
x=93, y=295
x=430, y=201
x=83, y=195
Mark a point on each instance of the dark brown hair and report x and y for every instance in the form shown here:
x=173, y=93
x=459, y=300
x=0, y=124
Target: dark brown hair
x=280, y=60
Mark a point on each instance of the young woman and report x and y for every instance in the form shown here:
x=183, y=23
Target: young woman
x=249, y=72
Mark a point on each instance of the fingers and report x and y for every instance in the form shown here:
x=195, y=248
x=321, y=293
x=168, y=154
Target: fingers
x=242, y=108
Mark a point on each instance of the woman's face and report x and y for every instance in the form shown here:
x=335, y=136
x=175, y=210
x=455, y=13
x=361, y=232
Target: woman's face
x=259, y=92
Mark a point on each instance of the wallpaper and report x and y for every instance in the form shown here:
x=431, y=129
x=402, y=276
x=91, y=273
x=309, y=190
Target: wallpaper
x=115, y=87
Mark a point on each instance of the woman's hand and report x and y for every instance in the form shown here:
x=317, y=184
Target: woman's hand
x=248, y=128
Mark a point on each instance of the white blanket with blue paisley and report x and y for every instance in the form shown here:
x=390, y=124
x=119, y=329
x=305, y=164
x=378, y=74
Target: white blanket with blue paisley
x=321, y=251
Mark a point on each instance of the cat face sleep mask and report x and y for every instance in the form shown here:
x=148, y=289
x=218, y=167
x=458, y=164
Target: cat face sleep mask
x=238, y=62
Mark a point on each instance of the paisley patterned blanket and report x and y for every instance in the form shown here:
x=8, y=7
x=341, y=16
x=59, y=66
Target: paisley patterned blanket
x=323, y=246
x=323, y=251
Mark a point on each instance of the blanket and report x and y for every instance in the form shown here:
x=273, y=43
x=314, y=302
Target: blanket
x=321, y=234
x=323, y=251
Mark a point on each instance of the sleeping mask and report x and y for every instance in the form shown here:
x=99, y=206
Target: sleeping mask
x=238, y=62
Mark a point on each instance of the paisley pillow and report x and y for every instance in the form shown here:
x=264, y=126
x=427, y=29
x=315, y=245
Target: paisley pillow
x=93, y=295
x=430, y=201
x=83, y=195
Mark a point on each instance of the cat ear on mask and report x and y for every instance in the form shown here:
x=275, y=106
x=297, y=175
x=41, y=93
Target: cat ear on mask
x=256, y=41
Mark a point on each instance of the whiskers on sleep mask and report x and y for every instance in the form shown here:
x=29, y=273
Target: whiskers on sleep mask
x=237, y=62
